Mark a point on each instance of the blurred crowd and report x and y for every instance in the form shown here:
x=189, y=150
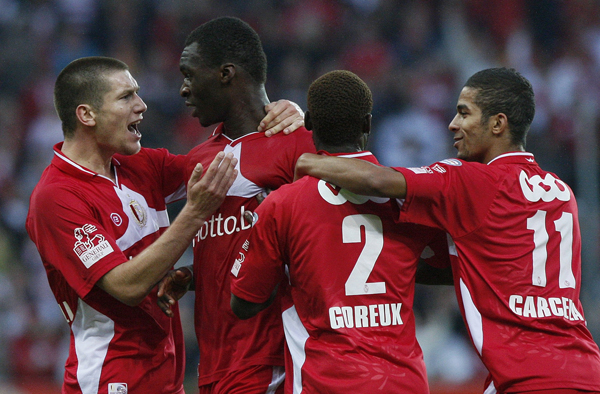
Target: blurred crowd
x=414, y=54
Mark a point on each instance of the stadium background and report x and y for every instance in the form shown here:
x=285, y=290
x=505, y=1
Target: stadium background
x=415, y=55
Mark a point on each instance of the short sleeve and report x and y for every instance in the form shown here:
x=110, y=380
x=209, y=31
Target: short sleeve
x=259, y=265
x=69, y=238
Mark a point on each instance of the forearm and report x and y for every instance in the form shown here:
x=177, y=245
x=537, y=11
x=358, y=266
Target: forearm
x=133, y=280
x=357, y=176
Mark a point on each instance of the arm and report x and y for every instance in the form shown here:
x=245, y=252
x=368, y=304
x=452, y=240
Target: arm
x=246, y=309
x=133, y=280
x=281, y=115
x=357, y=176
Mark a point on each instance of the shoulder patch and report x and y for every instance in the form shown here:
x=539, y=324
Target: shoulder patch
x=452, y=162
x=90, y=248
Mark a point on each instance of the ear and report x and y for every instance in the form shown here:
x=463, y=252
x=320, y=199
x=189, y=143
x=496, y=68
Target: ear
x=307, y=121
x=227, y=72
x=367, y=124
x=499, y=124
x=86, y=115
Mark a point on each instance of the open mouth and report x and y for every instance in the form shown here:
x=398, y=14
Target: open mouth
x=133, y=127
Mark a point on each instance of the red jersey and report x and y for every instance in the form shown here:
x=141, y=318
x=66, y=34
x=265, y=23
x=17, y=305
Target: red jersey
x=225, y=341
x=347, y=313
x=84, y=225
x=518, y=270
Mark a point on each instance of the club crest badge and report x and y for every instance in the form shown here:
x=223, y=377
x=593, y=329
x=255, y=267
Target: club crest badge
x=117, y=388
x=139, y=213
x=90, y=247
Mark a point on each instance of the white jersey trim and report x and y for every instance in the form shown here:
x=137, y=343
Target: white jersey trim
x=511, y=154
x=295, y=336
x=136, y=230
x=242, y=186
x=353, y=155
x=277, y=379
x=92, y=332
x=473, y=317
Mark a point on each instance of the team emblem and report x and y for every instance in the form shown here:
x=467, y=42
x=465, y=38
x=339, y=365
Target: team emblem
x=139, y=213
x=452, y=162
x=116, y=218
x=89, y=247
x=117, y=388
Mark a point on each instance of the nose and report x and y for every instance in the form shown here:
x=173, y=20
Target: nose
x=453, y=126
x=141, y=106
x=184, y=91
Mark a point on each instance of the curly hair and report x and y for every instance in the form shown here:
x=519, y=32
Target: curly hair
x=83, y=81
x=229, y=39
x=338, y=103
x=504, y=90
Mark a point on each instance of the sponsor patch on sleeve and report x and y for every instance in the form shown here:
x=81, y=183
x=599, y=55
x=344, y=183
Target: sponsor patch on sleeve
x=90, y=247
x=421, y=170
x=452, y=162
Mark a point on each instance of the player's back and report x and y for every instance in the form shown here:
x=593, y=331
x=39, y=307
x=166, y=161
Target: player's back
x=348, y=312
x=518, y=274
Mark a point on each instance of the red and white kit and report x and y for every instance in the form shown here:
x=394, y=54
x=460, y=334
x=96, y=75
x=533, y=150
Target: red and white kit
x=227, y=343
x=84, y=225
x=347, y=270
x=518, y=270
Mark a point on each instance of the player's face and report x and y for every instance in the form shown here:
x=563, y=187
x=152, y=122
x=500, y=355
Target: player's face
x=201, y=87
x=121, y=112
x=472, y=138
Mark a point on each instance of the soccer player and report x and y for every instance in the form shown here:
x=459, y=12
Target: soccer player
x=516, y=232
x=224, y=69
x=99, y=221
x=347, y=270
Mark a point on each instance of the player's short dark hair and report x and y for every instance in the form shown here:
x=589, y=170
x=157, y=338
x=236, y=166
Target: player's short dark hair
x=504, y=90
x=229, y=39
x=338, y=103
x=83, y=81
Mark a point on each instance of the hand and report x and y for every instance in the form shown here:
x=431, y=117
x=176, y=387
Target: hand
x=281, y=115
x=172, y=287
x=206, y=195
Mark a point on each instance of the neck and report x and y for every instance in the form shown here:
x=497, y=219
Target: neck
x=495, y=153
x=88, y=155
x=247, y=110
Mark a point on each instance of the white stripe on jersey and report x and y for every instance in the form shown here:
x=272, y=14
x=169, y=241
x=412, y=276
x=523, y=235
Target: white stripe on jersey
x=277, y=379
x=473, y=317
x=490, y=389
x=295, y=336
x=92, y=332
x=179, y=194
x=134, y=233
x=242, y=187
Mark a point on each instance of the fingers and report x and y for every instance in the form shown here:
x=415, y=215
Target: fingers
x=282, y=115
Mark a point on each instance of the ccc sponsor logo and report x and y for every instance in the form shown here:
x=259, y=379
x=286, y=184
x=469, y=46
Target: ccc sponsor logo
x=546, y=189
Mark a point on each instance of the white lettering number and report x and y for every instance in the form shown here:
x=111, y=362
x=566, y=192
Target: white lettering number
x=351, y=233
x=564, y=226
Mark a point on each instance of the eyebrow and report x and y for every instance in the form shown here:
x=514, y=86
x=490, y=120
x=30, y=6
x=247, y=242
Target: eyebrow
x=460, y=107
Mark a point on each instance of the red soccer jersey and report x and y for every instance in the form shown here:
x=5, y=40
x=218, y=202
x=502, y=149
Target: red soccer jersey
x=84, y=225
x=347, y=312
x=226, y=342
x=518, y=269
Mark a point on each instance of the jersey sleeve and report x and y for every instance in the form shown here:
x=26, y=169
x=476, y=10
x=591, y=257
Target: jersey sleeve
x=170, y=169
x=259, y=266
x=70, y=238
x=293, y=146
x=453, y=197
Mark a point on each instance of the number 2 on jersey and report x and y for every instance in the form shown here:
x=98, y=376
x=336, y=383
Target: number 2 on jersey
x=351, y=233
x=564, y=226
